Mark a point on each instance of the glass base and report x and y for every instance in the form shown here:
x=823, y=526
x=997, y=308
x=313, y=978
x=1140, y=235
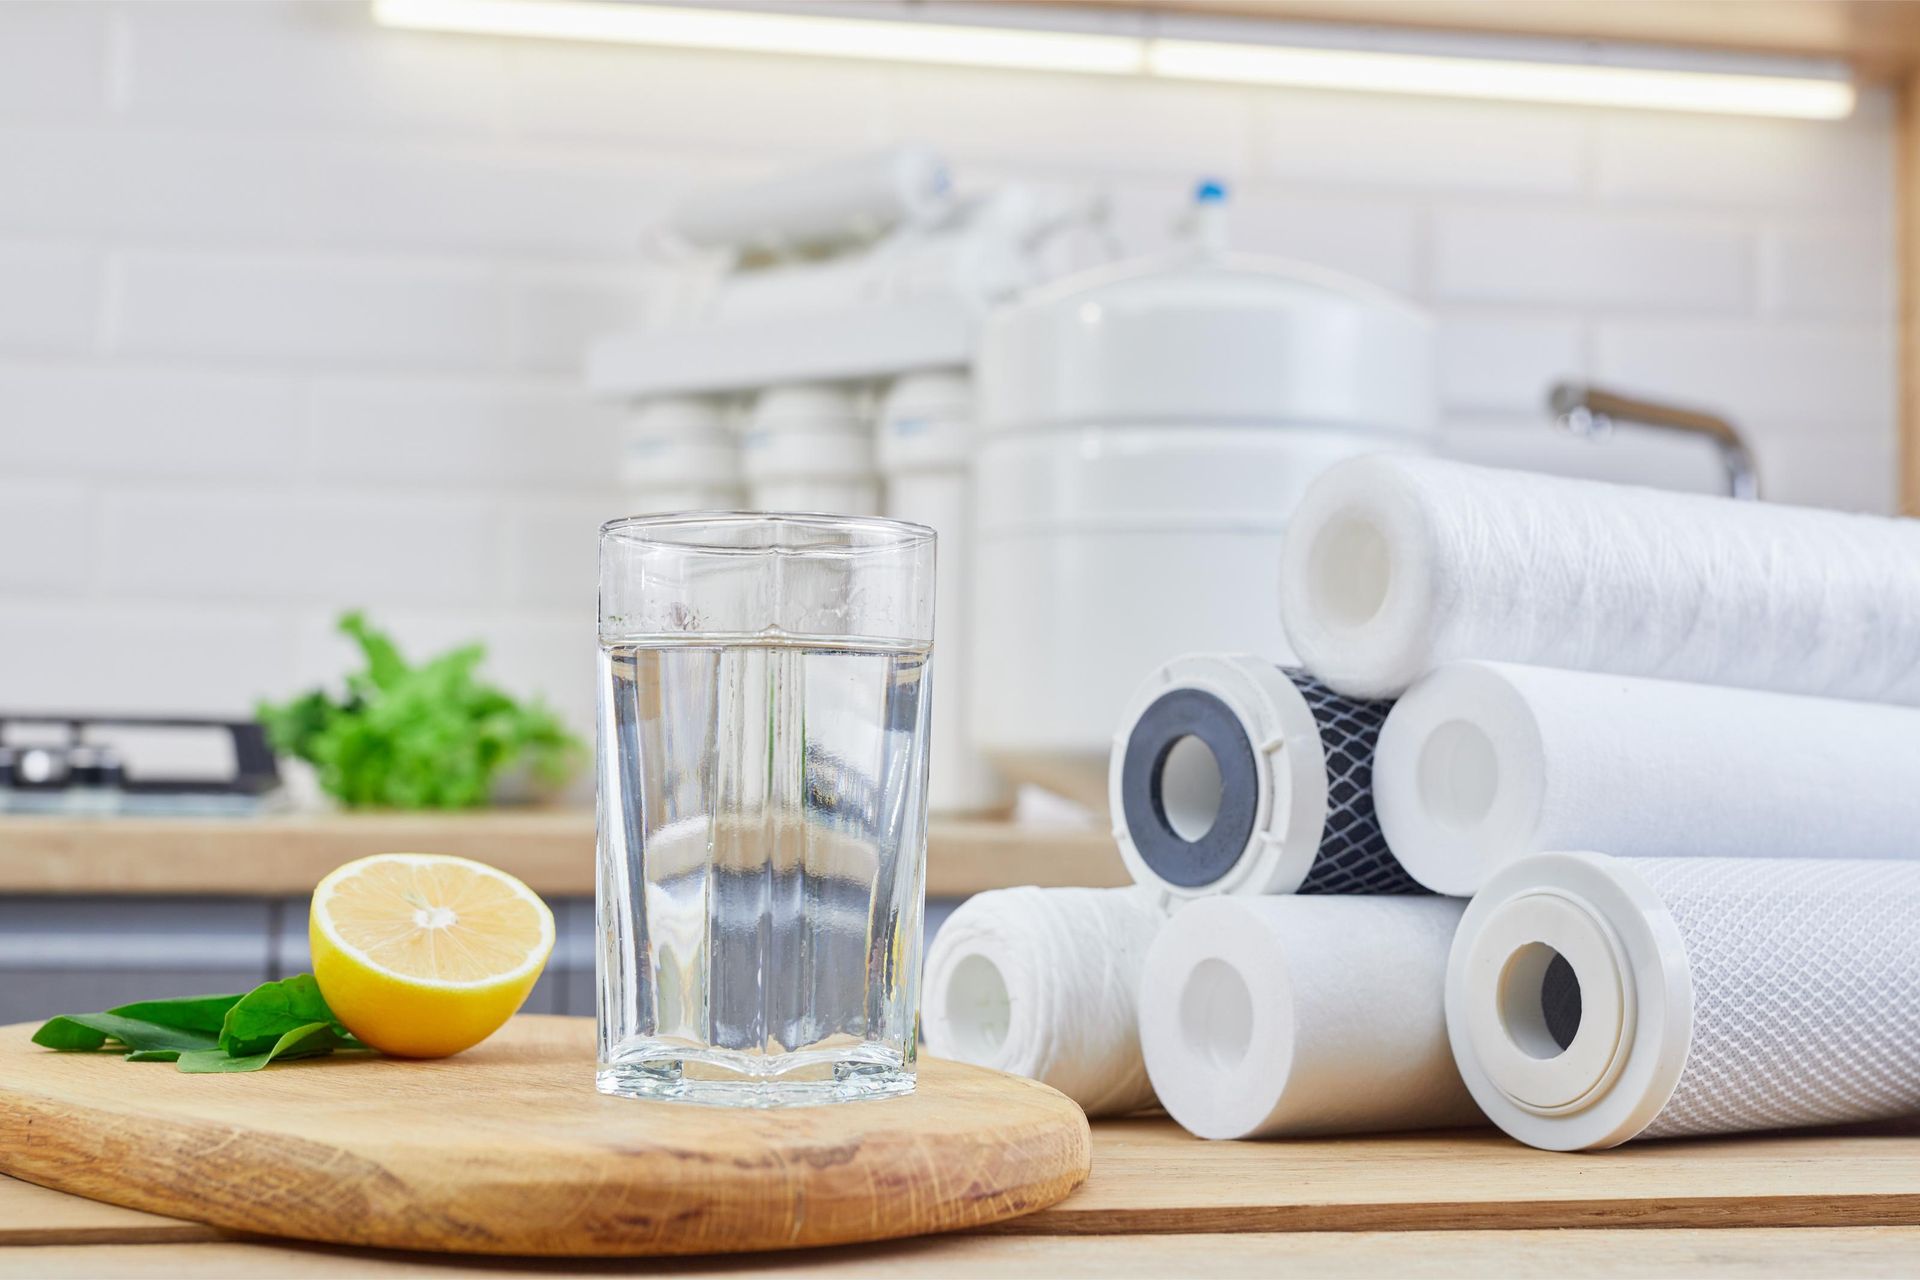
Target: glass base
x=729, y=1080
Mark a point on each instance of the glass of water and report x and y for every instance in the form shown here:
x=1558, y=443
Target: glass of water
x=764, y=701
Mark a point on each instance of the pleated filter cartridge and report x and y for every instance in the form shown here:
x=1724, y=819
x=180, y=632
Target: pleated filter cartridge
x=1593, y=1000
x=1231, y=774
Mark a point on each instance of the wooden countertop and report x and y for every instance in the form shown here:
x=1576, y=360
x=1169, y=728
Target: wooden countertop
x=1845, y=1251
x=552, y=850
x=1162, y=1203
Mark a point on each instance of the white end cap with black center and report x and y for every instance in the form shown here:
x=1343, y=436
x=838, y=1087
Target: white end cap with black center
x=1218, y=779
x=1569, y=1001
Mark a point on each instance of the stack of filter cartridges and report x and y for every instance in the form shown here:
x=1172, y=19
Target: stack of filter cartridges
x=1595, y=812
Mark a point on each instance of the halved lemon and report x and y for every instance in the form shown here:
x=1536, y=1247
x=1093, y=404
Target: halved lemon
x=426, y=954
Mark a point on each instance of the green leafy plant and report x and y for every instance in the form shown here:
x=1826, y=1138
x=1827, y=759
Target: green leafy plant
x=274, y=1022
x=432, y=736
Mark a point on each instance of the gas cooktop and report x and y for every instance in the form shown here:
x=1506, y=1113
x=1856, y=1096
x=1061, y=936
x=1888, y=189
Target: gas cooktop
x=136, y=765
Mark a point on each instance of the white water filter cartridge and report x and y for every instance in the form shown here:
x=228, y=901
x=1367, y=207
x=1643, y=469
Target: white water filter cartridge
x=1592, y=1000
x=809, y=447
x=1288, y=1016
x=1044, y=983
x=678, y=453
x=1231, y=774
x=1482, y=763
x=1394, y=565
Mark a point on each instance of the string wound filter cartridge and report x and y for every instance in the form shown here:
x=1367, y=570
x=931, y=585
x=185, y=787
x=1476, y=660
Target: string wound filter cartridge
x=1394, y=565
x=1284, y=1016
x=1044, y=983
x=1591, y=1000
x=1483, y=763
x=1231, y=774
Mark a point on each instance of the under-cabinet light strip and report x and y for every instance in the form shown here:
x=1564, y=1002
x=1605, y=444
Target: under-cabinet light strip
x=827, y=34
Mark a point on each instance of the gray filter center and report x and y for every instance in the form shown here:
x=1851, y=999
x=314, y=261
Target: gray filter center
x=1189, y=789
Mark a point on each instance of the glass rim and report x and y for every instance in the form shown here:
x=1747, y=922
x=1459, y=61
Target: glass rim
x=886, y=534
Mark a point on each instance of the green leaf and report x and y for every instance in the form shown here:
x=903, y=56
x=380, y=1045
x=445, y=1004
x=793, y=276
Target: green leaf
x=155, y=1030
x=69, y=1035
x=266, y=1013
x=385, y=667
x=309, y=1041
x=188, y=1013
x=85, y=1032
x=294, y=728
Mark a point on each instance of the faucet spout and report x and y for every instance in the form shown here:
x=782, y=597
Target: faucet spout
x=1591, y=411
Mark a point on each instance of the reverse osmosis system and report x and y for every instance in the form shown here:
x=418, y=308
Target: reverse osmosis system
x=1109, y=449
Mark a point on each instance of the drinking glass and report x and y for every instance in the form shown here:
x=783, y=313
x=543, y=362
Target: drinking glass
x=764, y=703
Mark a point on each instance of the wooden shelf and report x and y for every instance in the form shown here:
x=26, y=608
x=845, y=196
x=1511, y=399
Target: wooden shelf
x=1151, y=1176
x=552, y=850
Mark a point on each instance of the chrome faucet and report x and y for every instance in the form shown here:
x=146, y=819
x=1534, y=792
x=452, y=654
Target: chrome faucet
x=1591, y=412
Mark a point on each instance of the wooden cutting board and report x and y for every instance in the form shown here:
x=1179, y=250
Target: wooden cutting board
x=508, y=1149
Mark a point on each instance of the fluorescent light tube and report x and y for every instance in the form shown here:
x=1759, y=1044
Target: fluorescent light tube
x=827, y=34
x=1567, y=83
x=763, y=32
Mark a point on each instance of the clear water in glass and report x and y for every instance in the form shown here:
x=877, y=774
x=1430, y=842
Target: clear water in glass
x=761, y=872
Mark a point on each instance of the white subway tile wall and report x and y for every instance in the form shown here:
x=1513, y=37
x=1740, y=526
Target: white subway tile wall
x=292, y=308
x=50, y=298
x=321, y=311
x=48, y=528
x=1498, y=253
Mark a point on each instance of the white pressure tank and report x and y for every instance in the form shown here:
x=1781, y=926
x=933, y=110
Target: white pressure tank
x=1147, y=428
